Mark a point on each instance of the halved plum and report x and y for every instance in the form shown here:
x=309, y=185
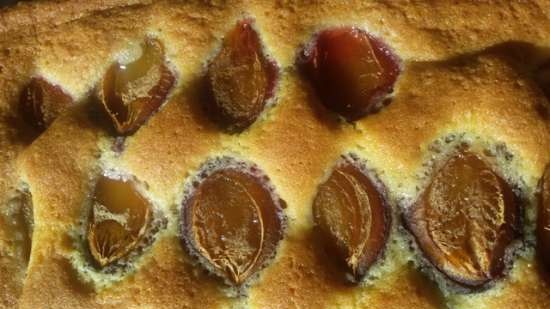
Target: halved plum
x=41, y=102
x=352, y=218
x=233, y=224
x=240, y=78
x=352, y=72
x=465, y=220
x=131, y=93
x=119, y=217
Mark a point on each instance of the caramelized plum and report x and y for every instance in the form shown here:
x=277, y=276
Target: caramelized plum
x=131, y=93
x=543, y=222
x=465, y=220
x=118, y=220
x=240, y=78
x=352, y=218
x=352, y=71
x=233, y=224
x=41, y=102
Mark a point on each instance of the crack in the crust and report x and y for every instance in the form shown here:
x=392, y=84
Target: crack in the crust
x=523, y=57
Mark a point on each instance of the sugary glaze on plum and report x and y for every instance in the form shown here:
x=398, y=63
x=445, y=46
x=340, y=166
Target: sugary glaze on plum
x=118, y=219
x=232, y=223
x=352, y=217
x=465, y=220
x=352, y=72
x=131, y=93
x=240, y=78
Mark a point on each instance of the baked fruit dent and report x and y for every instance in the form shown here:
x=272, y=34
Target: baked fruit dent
x=465, y=220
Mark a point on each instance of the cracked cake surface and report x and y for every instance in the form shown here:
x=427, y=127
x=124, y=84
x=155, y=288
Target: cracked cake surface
x=465, y=75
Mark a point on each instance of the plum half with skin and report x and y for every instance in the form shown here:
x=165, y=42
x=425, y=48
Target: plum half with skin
x=232, y=223
x=465, y=220
x=351, y=71
x=131, y=93
x=352, y=218
x=119, y=218
x=240, y=79
x=41, y=102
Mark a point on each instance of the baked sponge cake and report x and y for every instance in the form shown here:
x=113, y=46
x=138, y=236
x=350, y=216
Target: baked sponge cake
x=275, y=154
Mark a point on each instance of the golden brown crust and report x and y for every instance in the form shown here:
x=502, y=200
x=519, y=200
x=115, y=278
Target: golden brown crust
x=454, y=81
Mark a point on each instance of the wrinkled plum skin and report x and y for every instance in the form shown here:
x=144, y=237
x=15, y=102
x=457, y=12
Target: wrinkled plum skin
x=465, y=220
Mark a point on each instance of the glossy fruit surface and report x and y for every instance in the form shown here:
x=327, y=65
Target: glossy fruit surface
x=351, y=71
x=352, y=218
x=465, y=220
x=131, y=93
x=233, y=224
x=240, y=78
x=41, y=102
x=118, y=219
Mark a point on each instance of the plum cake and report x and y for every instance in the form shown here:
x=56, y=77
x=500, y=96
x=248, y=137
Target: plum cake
x=275, y=154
